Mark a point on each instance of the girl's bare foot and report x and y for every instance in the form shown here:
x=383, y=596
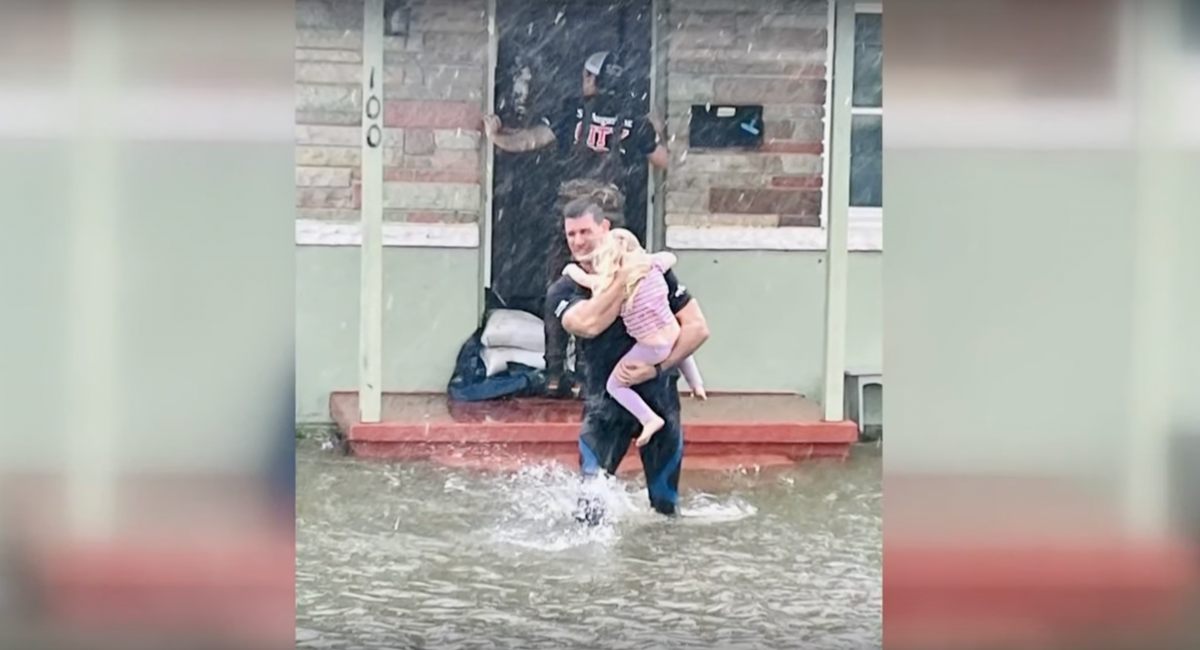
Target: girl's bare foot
x=700, y=394
x=649, y=429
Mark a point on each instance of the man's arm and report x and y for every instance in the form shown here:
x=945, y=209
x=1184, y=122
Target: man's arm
x=651, y=137
x=517, y=140
x=693, y=332
x=588, y=318
x=660, y=157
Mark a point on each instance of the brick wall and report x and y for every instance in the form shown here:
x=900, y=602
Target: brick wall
x=434, y=89
x=769, y=52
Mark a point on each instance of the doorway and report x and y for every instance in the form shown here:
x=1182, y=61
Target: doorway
x=541, y=51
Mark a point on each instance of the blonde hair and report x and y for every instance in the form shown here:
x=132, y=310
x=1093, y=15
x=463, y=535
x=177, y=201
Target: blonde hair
x=620, y=249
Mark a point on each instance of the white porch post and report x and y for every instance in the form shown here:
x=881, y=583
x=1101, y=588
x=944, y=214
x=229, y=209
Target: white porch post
x=837, y=210
x=486, y=220
x=91, y=400
x=655, y=194
x=370, y=373
x=1151, y=380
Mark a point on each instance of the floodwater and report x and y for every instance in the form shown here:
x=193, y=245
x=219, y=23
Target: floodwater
x=418, y=556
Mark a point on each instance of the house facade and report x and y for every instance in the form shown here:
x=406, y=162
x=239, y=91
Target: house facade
x=748, y=224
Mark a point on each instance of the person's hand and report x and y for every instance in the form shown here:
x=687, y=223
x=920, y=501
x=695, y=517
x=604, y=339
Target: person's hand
x=632, y=373
x=573, y=271
x=491, y=125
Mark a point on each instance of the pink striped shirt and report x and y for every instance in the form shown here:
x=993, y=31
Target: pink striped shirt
x=649, y=311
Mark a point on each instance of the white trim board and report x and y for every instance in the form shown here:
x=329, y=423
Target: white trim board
x=1015, y=125
x=831, y=31
x=160, y=113
x=311, y=232
x=1033, y=125
x=863, y=237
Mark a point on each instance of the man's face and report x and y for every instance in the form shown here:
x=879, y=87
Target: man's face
x=584, y=233
x=589, y=84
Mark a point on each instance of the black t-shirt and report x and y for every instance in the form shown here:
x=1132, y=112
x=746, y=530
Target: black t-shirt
x=602, y=353
x=585, y=148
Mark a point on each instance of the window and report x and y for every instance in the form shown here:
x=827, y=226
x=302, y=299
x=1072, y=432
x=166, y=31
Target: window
x=866, y=110
x=1012, y=50
x=1191, y=25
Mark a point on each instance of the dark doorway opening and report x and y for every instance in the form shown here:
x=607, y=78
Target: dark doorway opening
x=542, y=47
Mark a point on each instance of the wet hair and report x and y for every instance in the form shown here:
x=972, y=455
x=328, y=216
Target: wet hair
x=581, y=207
x=621, y=249
x=581, y=196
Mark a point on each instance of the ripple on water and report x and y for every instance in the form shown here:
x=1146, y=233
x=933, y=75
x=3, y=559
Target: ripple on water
x=413, y=555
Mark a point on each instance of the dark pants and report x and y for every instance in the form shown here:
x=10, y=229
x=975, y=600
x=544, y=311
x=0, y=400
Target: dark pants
x=608, y=429
x=556, y=337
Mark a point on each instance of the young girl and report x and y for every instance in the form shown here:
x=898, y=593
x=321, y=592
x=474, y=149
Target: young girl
x=647, y=315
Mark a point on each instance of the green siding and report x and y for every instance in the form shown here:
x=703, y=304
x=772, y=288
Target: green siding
x=203, y=303
x=1008, y=298
x=765, y=309
x=766, y=313
x=430, y=307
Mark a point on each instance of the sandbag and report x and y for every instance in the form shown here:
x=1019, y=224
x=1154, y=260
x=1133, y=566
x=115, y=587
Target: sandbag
x=496, y=360
x=510, y=328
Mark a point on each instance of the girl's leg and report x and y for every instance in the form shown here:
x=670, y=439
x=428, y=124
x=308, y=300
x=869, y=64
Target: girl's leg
x=625, y=395
x=691, y=372
x=630, y=400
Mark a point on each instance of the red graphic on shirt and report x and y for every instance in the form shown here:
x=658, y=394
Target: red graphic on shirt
x=598, y=136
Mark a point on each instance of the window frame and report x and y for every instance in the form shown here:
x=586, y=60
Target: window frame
x=864, y=215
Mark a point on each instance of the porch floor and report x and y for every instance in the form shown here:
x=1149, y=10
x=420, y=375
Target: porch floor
x=726, y=432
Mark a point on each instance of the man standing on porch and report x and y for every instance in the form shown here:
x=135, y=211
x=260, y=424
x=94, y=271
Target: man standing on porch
x=608, y=428
x=599, y=146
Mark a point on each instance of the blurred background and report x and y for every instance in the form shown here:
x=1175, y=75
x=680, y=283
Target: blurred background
x=1040, y=161
x=147, y=385
x=1038, y=296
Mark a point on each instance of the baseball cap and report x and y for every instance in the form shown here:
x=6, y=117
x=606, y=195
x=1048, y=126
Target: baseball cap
x=595, y=63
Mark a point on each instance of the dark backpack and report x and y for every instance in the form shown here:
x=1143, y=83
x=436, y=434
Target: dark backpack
x=470, y=382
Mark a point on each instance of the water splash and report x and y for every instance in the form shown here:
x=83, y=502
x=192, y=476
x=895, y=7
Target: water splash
x=540, y=504
x=708, y=509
